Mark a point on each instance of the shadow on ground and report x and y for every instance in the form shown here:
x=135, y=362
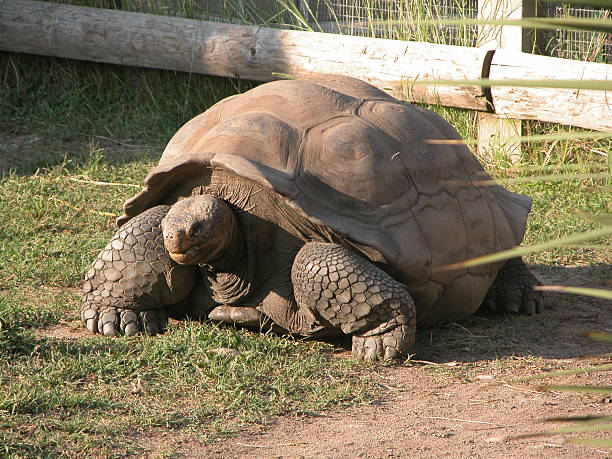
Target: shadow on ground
x=557, y=333
x=25, y=154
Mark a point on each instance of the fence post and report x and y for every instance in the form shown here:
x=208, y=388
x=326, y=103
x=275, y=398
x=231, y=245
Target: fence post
x=499, y=134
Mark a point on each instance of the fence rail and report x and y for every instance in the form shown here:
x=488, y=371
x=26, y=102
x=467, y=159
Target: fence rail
x=251, y=52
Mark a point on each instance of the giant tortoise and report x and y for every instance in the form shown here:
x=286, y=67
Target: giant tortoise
x=318, y=206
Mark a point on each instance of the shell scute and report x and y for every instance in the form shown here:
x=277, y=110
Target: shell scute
x=348, y=156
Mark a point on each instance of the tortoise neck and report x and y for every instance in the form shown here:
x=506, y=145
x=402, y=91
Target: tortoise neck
x=233, y=255
x=231, y=274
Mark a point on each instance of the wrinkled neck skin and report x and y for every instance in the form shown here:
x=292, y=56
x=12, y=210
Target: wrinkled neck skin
x=232, y=256
x=231, y=275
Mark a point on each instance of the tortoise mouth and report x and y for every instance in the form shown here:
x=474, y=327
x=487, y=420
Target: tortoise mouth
x=189, y=256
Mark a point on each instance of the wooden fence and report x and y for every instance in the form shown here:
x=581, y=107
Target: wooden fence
x=257, y=53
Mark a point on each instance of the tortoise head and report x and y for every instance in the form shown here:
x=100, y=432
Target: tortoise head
x=198, y=229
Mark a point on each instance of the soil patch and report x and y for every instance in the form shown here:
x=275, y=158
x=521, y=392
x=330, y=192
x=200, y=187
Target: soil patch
x=429, y=415
x=463, y=401
x=64, y=330
x=456, y=396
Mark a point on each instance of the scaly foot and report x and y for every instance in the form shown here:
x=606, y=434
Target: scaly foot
x=112, y=321
x=512, y=291
x=353, y=295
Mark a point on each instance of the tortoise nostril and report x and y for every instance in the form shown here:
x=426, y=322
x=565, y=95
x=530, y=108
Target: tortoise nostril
x=174, y=241
x=172, y=237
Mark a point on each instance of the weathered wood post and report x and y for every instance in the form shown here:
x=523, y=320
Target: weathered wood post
x=499, y=134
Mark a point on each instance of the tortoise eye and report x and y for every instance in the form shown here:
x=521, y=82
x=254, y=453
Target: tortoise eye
x=196, y=228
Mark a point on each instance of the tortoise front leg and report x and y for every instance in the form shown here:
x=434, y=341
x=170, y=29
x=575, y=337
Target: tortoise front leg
x=349, y=293
x=133, y=280
x=275, y=313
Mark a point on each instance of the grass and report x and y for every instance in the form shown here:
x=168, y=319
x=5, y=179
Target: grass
x=100, y=395
x=65, y=124
x=68, y=397
x=105, y=102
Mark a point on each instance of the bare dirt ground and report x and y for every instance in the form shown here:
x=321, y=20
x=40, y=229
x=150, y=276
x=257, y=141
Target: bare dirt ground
x=457, y=395
x=425, y=416
x=465, y=402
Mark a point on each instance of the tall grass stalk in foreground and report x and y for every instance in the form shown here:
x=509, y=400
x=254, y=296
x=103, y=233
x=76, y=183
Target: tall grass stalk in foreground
x=577, y=424
x=587, y=423
x=63, y=396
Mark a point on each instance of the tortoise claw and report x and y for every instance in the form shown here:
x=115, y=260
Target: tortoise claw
x=530, y=307
x=92, y=326
x=389, y=345
x=512, y=292
x=540, y=305
x=107, y=324
x=115, y=321
x=239, y=315
x=153, y=322
x=129, y=323
x=108, y=329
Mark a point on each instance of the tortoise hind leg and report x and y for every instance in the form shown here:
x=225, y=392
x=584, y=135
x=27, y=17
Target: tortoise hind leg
x=133, y=280
x=349, y=293
x=512, y=291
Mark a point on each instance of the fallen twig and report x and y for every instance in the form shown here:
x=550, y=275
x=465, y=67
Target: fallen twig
x=424, y=362
x=539, y=392
x=458, y=420
x=249, y=445
x=8, y=278
x=252, y=446
x=455, y=324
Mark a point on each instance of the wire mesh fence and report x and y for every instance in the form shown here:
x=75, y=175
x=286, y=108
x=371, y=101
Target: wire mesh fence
x=578, y=44
x=271, y=13
x=395, y=19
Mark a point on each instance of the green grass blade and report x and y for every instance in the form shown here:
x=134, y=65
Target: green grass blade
x=292, y=9
x=571, y=167
x=605, y=390
x=602, y=3
x=522, y=250
x=571, y=23
x=537, y=178
x=600, y=336
x=522, y=139
x=565, y=430
x=596, y=85
x=573, y=371
x=579, y=419
x=601, y=442
x=566, y=136
x=284, y=76
x=589, y=246
x=594, y=292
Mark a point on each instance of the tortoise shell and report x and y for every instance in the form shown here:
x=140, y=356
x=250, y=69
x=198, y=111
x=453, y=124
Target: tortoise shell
x=377, y=171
